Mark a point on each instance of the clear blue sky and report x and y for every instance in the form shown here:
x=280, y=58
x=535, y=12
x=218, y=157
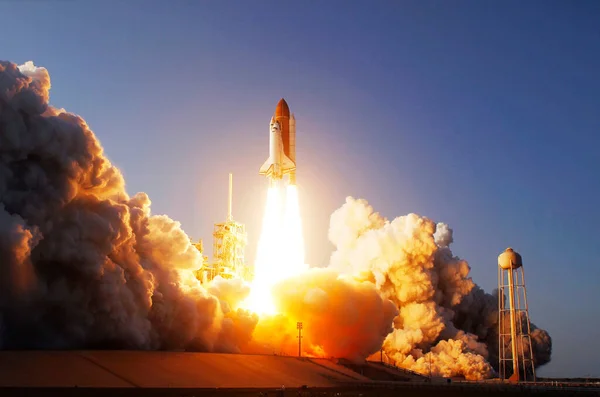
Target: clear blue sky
x=482, y=114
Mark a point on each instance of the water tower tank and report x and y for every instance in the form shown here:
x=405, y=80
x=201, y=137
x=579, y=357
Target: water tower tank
x=510, y=259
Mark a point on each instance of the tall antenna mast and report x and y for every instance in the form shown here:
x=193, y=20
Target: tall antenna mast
x=229, y=203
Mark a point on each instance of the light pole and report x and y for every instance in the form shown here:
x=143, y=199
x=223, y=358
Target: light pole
x=299, y=327
x=429, y=366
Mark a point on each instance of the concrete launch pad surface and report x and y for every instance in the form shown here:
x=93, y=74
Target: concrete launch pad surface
x=118, y=369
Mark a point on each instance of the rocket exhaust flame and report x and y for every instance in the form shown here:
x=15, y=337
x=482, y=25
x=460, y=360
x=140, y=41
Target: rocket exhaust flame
x=280, y=253
x=268, y=257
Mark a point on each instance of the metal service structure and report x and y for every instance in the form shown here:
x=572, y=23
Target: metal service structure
x=514, y=326
x=229, y=245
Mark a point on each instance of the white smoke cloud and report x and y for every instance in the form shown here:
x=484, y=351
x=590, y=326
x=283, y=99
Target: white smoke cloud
x=445, y=321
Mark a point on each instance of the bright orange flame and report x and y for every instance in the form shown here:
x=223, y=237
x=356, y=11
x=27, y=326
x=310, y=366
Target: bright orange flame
x=280, y=252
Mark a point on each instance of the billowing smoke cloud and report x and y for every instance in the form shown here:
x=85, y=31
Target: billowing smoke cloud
x=82, y=264
x=445, y=323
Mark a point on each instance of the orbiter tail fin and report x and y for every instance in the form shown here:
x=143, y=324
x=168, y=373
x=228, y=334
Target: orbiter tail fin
x=267, y=167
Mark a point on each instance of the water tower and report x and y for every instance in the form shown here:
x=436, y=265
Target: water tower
x=517, y=333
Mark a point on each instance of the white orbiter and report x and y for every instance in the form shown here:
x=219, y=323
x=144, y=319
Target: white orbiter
x=282, y=145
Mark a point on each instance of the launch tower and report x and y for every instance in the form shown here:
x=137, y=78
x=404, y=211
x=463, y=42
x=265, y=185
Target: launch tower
x=200, y=247
x=229, y=245
x=514, y=331
x=228, y=249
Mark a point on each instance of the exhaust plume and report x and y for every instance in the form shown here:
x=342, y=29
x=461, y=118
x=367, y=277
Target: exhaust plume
x=83, y=264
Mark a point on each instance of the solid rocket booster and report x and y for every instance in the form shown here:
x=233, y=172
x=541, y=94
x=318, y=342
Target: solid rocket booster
x=282, y=145
x=292, y=148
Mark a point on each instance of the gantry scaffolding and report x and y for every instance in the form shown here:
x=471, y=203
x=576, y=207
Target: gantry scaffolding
x=200, y=247
x=229, y=245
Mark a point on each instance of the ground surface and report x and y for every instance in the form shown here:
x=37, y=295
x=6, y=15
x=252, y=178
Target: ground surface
x=124, y=369
x=402, y=391
x=178, y=374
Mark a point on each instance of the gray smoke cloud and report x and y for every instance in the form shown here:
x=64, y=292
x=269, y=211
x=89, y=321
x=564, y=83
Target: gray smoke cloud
x=445, y=321
x=83, y=264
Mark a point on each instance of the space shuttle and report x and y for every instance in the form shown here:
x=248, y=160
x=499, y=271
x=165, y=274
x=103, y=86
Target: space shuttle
x=282, y=146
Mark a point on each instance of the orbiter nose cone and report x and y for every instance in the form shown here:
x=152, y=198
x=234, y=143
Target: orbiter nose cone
x=282, y=109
